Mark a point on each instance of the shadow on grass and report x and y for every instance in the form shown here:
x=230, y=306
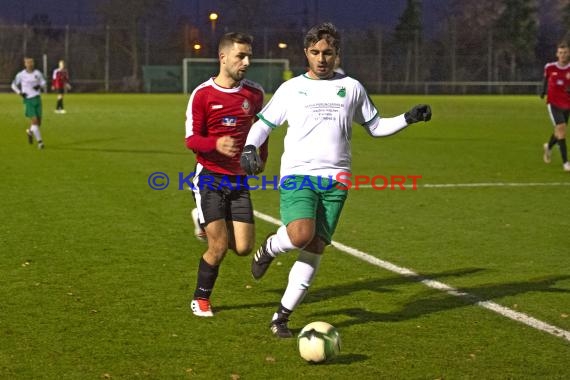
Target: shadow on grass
x=380, y=285
x=431, y=301
x=344, y=359
x=441, y=301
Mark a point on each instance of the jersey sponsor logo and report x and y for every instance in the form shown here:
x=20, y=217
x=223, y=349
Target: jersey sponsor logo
x=229, y=121
x=217, y=106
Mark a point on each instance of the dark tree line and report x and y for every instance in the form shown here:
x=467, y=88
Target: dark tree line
x=493, y=40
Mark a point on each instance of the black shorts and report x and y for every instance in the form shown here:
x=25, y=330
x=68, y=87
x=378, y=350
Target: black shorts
x=221, y=196
x=558, y=115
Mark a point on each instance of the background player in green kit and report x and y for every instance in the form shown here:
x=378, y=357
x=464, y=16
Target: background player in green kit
x=319, y=107
x=28, y=83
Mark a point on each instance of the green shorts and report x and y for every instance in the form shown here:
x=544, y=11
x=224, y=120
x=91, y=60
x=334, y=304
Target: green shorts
x=310, y=197
x=33, y=107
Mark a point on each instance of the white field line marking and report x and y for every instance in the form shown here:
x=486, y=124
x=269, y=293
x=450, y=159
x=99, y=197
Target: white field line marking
x=502, y=310
x=454, y=185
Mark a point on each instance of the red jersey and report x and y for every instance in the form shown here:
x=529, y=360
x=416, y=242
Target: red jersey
x=558, y=83
x=215, y=111
x=59, y=78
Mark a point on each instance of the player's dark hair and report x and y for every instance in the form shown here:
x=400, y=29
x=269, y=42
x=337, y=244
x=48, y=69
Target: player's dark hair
x=326, y=31
x=563, y=45
x=229, y=39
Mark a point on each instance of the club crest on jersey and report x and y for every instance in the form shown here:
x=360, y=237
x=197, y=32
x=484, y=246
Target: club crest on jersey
x=245, y=106
x=341, y=92
x=229, y=121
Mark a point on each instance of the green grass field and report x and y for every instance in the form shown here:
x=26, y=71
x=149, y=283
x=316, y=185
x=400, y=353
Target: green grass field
x=97, y=269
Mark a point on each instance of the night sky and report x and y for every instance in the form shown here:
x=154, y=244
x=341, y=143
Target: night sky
x=345, y=14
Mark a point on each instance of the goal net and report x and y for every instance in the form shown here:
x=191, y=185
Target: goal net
x=269, y=73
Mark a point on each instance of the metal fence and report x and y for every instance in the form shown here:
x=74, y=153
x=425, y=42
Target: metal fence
x=99, y=59
x=93, y=55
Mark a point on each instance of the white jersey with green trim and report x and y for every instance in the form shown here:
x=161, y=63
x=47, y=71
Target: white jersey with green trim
x=319, y=114
x=26, y=81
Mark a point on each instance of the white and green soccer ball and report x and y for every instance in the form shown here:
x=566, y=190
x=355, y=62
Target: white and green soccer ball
x=318, y=342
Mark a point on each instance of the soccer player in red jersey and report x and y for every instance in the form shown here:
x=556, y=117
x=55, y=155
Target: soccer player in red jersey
x=557, y=91
x=60, y=84
x=218, y=118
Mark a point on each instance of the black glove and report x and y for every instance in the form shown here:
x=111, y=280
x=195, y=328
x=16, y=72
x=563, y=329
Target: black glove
x=37, y=88
x=24, y=95
x=250, y=161
x=420, y=112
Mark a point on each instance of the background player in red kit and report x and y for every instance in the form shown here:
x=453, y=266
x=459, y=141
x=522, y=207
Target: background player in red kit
x=218, y=118
x=60, y=84
x=557, y=90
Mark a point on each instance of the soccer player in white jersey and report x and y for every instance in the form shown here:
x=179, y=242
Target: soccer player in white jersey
x=319, y=107
x=28, y=84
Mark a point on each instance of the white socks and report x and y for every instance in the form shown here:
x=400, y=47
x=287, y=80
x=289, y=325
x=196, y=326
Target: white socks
x=36, y=131
x=300, y=278
x=279, y=243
